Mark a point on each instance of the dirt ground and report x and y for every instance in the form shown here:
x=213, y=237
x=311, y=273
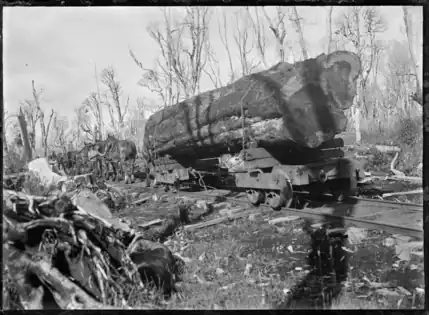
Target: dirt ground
x=251, y=264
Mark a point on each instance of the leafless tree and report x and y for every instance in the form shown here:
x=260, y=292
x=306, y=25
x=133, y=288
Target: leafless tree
x=258, y=27
x=329, y=48
x=244, y=44
x=26, y=154
x=114, y=92
x=212, y=69
x=296, y=21
x=137, y=122
x=92, y=105
x=31, y=114
x=178, y=71
x=223, y=34
x=45, y=128
x=278, y=29
x=360, y=26
x=61, y=137
x=417, y=97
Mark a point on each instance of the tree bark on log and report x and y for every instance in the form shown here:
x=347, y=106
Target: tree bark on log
x=302, y=103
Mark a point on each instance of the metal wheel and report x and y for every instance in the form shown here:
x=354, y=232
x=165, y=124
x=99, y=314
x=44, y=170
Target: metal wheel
x=344, y=189
x=275, y=200
x=255, y=197
x=284, y=196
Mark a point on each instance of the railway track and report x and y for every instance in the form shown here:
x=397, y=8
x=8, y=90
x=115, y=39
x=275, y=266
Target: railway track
x=391, y=217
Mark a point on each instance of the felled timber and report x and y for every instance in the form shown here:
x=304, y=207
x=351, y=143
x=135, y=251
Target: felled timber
x=301, y=103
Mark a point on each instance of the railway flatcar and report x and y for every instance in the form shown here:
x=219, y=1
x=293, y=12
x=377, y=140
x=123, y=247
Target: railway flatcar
x=270, y=134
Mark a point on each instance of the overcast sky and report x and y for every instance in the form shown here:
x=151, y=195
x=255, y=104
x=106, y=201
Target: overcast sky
x=57, y=47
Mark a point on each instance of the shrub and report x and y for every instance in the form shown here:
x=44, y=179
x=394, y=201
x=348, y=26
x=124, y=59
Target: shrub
x=410, y=131
x=33, y=186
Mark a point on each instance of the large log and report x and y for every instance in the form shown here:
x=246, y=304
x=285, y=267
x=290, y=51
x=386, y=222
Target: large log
x=301, y=103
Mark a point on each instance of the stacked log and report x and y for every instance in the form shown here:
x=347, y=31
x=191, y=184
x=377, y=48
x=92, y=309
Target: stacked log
x=299, y=103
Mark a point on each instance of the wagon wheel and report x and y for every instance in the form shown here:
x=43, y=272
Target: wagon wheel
x=255, y=197
x=283, y=197
x=278, y=199
x=343, y=188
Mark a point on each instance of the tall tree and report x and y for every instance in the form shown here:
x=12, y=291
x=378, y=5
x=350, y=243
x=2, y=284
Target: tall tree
x=258, y=27
x=92, y=105
x=278, y=28
x=243, y=43
x=359, y=26
x=296, y=21
x=329, y=23
x=45, y=128
x=114, y=93
x=178, y=71
x=31, y=114
x=410, y=36
x=223, y=35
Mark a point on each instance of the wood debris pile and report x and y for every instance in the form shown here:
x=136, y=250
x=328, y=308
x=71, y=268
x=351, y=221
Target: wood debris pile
x=67, y=251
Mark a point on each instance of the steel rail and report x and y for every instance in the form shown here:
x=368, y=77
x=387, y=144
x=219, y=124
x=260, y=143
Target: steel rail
x=337, y=212
x=338, y=217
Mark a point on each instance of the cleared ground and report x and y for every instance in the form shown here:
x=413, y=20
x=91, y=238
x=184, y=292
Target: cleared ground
x=249, y=263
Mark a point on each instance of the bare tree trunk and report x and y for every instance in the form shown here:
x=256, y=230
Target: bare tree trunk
x=27, y=154
x=43, y=127
x=279, y=30
x=296, y=20
x=329, y=49
x=409, y=31
x=360, y=87
x=224, y=39
x=259, y=31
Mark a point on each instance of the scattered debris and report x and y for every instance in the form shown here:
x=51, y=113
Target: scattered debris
x=229, y=212
x=283, y=220
x=143, y=200
x=102, y=253
x=356, y=235
x=248, y=269
x=150, y=223
x=403, y=251
x=389, y=242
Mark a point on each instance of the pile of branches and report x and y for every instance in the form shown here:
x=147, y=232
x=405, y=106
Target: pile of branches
x=67, y=251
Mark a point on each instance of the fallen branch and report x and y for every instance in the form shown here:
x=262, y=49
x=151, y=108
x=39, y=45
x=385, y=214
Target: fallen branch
x=411, y=192
x=392, y=167
x=150, y=223
x=219, y=220
x=141, y=200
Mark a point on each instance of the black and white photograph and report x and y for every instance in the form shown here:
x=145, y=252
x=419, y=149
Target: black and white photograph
x=213, y=157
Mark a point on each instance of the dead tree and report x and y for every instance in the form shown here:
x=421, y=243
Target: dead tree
x=26, y=154
x=60, y=138
x=259, y=31
x=360, y=26
x=31, y=114
x=114, y=92
x=223, y=34
x=417, y=96
x=178, y=71
x=278, y=28
x=44, y=128
x=295, y=19
x=92, y=105
x=212, y=69
x=243, y=43
x=329, y=46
